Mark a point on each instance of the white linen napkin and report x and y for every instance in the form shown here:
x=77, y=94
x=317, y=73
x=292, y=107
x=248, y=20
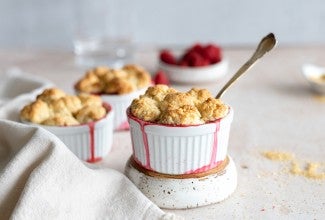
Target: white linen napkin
x=16, y=90
x=40, y=178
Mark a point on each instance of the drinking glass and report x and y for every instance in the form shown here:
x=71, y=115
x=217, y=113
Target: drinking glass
x=104, y=32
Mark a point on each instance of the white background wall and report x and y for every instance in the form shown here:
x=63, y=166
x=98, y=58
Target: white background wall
x=49, y=24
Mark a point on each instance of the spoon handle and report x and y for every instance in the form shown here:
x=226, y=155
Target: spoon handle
x=266, y=44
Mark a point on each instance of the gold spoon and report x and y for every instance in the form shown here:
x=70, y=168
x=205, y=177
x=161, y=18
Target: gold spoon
x=266, y=44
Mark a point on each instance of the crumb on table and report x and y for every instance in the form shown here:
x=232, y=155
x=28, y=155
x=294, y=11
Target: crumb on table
x=311, y=170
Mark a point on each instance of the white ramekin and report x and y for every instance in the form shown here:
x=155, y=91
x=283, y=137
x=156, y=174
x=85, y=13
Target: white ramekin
x=89, y=142
x=190, y=75
x=119, y=104
x=180, y=149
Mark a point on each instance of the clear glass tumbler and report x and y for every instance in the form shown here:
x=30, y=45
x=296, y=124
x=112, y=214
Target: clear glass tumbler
x=104, y=32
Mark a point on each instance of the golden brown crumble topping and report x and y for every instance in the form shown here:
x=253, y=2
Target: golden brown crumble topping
x=146, y=107
x=165, y=105
x=114, y=81
x=54, y=107
x=158, y=92
x=212, y=109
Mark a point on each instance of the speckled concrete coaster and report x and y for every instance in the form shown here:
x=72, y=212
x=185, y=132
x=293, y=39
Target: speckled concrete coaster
x=185, y=191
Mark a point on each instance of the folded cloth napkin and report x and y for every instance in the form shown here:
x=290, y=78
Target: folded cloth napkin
x=16, y=90
x=40, y=178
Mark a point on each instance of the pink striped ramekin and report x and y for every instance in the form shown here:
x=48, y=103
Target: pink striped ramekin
x=89, y=142
x=180, y=150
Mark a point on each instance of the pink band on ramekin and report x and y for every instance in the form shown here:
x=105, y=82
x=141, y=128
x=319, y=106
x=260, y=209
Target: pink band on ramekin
x=89, y=142
x=179, y=149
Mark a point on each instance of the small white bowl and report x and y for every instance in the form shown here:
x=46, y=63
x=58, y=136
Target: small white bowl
x=89, y=142
x=180, y=149
x=119, y=104
x=313, y=75
x=193, y=75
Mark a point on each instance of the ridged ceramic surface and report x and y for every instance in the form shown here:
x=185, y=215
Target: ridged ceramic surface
x=180, y=150
x=119, y=104
x=78, y=138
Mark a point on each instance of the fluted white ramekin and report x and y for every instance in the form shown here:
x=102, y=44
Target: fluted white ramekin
x=120, y=103
x=89, y=142
x=180, y=149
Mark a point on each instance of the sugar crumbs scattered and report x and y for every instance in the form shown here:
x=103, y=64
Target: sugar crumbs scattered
x=320, y=98
x=311, y=170
x=279, y=156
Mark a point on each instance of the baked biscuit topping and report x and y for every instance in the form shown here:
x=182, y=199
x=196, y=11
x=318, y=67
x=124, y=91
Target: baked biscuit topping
x=54, y=107
x=165, y=105
x=159, y=92
x=147, y=108
x=114, y=81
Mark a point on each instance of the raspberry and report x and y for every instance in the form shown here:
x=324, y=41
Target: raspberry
x=167, y=57
x=196, y=48
x=205, y=62
x=194, y=59
x=196, y=55
x=161, y=78
x=183, y=63
x=212, y=53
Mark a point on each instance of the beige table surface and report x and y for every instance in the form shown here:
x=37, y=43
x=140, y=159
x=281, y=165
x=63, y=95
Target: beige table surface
x=274, y=110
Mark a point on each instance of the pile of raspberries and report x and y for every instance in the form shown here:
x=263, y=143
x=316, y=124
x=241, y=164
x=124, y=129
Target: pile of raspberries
x=197, y=55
